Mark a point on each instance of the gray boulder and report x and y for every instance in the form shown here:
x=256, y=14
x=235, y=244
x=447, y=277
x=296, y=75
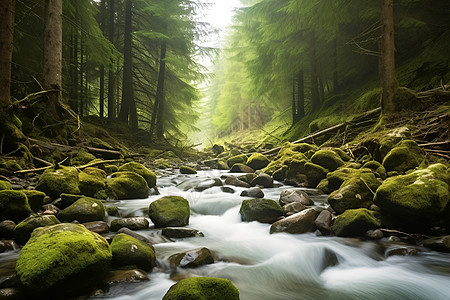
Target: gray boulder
x=300, y=222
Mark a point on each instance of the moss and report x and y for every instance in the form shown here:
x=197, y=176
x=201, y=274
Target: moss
x=127, y=185
x=241, y=158
x=68, y=199
x=82, y=157
x=23, y=230
x=405, y=99
x=62, y=258
x=262, y=210
x=304, y=172
x=257, y=161
x=55, y=181
x=404, y=156
x=247, y=177
x=126, y=250
x=91, y=181
x=112, y=211
x=83, y=210
x=12, y=165
x=35, y=199
x=241, y=168
x=376, y=167
x=187, y=170
x=140, y=169
x=14, y=205
x=202, y=288
x=109, y=169
x=344, y=156
x=354, y=222
x=328, y=159
x=170, y=211
x=336, y=178
x=5, y=185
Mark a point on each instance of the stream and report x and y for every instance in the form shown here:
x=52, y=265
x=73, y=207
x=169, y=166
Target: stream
x=281, y=265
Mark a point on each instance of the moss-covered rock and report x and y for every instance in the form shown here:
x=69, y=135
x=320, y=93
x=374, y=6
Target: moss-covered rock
x=5, y=185
x=376, y=167
x=83, y=210
x=261, y=210
x=280, y=174
x=344, y=156
x=55, y=181
x=328, y=159
x=241, y=168
x=202, y=288
x=14, y=205
x=304, y=173
x=404, y=156
x=126, y=251
x=140, y=169
x=127, y=185
x=241, y=158
x=170, y=211
x=92, y=180
x=35, y=199
x=67, y=200
x=337, y=178
x=61, y=259
x=257, y=161
x=187, y=170
x=355, y=222
x=132, y=223
x=23, y=230
x=417, y=197
x=82, y=157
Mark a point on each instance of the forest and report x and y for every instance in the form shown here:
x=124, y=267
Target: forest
x=300, y=152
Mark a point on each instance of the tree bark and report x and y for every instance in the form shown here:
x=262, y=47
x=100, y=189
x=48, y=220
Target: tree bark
x=6, y=49
x=160, y=99
x=102, y=68
x=53, y=52
x=111, y=101
x=388, y=80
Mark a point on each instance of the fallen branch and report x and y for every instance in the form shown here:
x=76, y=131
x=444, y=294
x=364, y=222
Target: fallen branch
x=434, y=144
x=40, y=169
x=92, y=164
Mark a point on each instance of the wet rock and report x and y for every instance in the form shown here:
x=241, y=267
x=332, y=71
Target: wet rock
x=441, y=243
x=280, y=174
x=126, y=251
x=181, y=232
x=323, y=222
x=227, y=189
x=192, y=259
x=208, y=183
x=257, y=161
x=203, y=288
x=263, y=180
x=295, y=195
x=9, y=245
x=55, y=181
x=135, y=235
x=304, y=173
x=217, y=149
x=83, y=210
x=374, y=234
x=241, y=158
x=354, y=222
x=254, y=192
x=7, y=229
x=113, y=211
x=11, y=293
x=50, y=209
x=127, y=185
x=99, y=227
x=35, y=199
x=5, y=185
x=378, y=168
x=140, y=169
x=132, y=223
x=14, y=205
x=231, y=180
x=241, y=168
x=92, y=180
x=293, y=208
x=23, y=230
x=402, y=251
x=300, y=222
x=262, y=210
x=187, y=170
x=336, y=179
x=328, y=159
x=170, y=211
x=404, y=156
x=67, y=200
x=247, y=177
x=121, y=276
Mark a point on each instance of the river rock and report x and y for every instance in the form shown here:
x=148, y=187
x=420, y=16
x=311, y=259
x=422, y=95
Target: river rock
x=336, y=179
x=14, y=205
x=55, y=181
x=217, y=149
x=295, y=195
x=127, y=185
x=67, y=200
x=208, y=183
x=247, y=177
x=5, y=185
x=136, y=235
x=280, y=174
x=300, y=222
x=99, y=227
x=262, y=210
x=404, y=156
x=304, y=173
x=126, y=251
x=377, y=168
x=231, y=180
x=7, y=229
x=35, y=199
x=132, y=223
x=328, y=159
x=23, y=230
x=374, y=234
x=92, y=180
x=323, y=222
x=187, y=170
x=140, y=169
x=241, y=158
x=402, y=251
x=257, y=161
x=192, y=259
x=170, y=211
x=202, y=288
x=43, y=265
x=181, y=232
x=241, y=168
x=354, y=222
x=121, y=276
x=441, y=243
x=293, y=208
x=254, y=192
x=83, y=210
x=263, y=180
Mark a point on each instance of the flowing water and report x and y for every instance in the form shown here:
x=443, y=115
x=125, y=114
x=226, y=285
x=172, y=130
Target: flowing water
x=281, y=266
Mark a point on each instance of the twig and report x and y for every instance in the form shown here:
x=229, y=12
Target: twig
x=32, y=96
x=98, y=163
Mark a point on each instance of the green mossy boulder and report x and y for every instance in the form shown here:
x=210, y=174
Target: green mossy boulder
x=241, y=158
x=62, y=259
x=140, y=169
x=241, y=168
x=127, y=185
x=344, y=156
x=170, y=211
x=376, y=167
x=304, y=173
x=14, y=205
x=257, y=161
x=83, y=210
x=354, y=222
x=5, y=185
x=23, y=230
x=109, y=169
x=415, y=198
x=55, y=181
x=35, y=199
x=92, y=180
x=328, y=159
x=67, y=200
x=337, y=178
x=202, y=288
x=187, y=170
x=404, y=156
x=280, y=174
x=82, y=157
x=261, y=210
x=128, y=251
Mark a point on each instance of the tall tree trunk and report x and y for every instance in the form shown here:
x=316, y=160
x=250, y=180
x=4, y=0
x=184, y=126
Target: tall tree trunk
x=111, y=103
x=160, y=99
x=102, y=68
x=294, y=108
x=315, y=98
x=6, y=49
x=53, y=53
x=388, y=80
x=300, y=96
